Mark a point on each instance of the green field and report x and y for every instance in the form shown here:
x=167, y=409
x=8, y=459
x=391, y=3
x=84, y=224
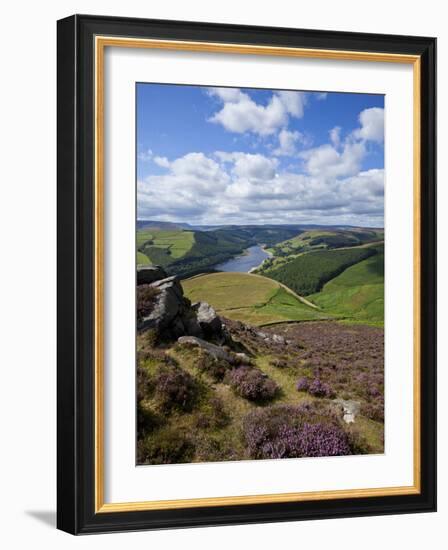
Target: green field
x=185, y=252
x=189, y=407
x=319, y=239
x=249, y=298
x=163, y=247
x=306, y=274
x=142, y=259
x=358, y=293
x=335, y=268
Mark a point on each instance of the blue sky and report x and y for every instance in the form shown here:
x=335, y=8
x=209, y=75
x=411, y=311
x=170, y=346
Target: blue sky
x=231, y=155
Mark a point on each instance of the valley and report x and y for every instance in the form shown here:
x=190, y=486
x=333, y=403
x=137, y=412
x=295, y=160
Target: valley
x=339, y=270
x=259, y=342
x=250, y=298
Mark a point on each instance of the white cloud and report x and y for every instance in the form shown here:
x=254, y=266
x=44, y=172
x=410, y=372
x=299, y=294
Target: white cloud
x=321, y=96
x=247, y=165
x=335, y=136
x=231, y=95
x=145, y=156
x=241, y=114
x=162, y=161
x=240, y=187
x=327, y=162
x=342, y=159
x=245, y=188
x=287, y=142
x=198, y=167
x=294, y=102
x=372, y=125
x=365, y=186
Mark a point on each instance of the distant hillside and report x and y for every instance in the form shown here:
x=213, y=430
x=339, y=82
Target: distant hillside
x=327, y=239
x=149, y=224
x=358, y=292
x=186, y=252
x=252, y=299
x=293, y=226
x=307, y=273
x=330, y=264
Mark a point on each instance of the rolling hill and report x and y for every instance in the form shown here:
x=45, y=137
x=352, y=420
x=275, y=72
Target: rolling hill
x=164, y=246
x=339, y=269
x=185, y=252
x=327, y=239
x=357, y=293
x=199, y=406
x=307, y=273
x=250, y=298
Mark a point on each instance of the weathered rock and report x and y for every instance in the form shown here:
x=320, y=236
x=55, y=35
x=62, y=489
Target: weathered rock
x=166, y=307
x=147, y=274
x=169, y=283
x=215, y=351
x=263, y=336
x=192, y=327
x=208, y=319
x=349, y=409
x=224, y=338
x=277, y=339
x=173, y=316
x=176, y=328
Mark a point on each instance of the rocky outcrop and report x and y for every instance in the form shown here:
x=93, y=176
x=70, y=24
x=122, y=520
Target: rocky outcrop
x=167, y=306
x=216, y=352
x=208, y=320
x=169, y=283
x=147, y=274
x=349, y=409
x=271, y=338
x=190, y=324
x=169, y=313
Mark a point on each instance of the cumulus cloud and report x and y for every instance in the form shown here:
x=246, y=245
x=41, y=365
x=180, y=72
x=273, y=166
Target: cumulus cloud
x=372, y=125
x=288, y=142
x=327, y=184
x=231, y=95
x=198, y=169
x=341, y=159
x=247, y=165
x=145, y=156
x=335, y=136
x=294, y=102
x=240, y=113
x=240, y=187
x=327, y=162
x=161, y=161
x=320, y=96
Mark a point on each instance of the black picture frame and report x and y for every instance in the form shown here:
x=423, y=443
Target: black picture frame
x=76, y=271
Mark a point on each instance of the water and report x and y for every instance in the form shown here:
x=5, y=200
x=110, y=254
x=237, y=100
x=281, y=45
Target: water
x=252, y=257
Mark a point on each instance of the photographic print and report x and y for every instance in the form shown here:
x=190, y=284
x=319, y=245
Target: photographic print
x=260, y=274
x=221, y=233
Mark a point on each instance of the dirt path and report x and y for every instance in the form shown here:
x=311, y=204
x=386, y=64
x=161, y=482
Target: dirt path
x=300, y=298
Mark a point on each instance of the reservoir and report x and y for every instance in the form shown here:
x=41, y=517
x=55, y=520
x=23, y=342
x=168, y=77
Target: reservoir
x=251, y=258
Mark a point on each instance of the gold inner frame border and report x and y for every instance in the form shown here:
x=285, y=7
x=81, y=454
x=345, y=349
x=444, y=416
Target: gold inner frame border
x=101, y=42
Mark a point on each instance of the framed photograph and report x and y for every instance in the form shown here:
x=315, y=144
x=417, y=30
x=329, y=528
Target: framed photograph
x=246, y=274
